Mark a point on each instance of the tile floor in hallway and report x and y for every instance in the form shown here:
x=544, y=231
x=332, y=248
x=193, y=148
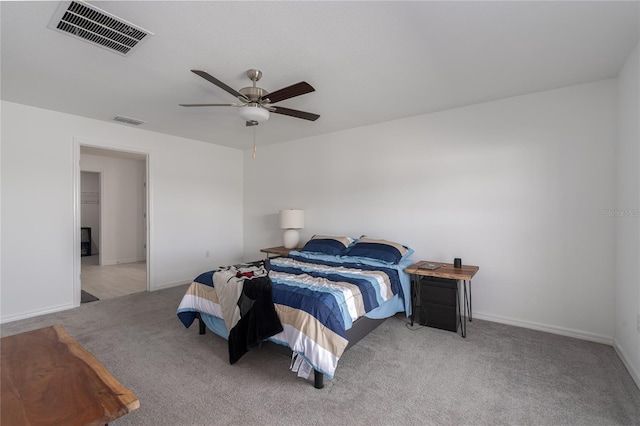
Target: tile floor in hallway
x=109, y=281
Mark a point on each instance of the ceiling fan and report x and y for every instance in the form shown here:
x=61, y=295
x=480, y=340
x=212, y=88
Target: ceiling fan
x=256, y=103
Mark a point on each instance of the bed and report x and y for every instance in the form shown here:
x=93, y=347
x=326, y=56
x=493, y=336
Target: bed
x=326, y=296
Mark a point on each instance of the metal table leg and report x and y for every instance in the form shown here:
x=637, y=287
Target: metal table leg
x=470, y=316
x=413, y=298
x=463, y=322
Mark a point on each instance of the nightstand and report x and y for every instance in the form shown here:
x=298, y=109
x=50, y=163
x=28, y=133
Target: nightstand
x=279, y=251
x=438, y=303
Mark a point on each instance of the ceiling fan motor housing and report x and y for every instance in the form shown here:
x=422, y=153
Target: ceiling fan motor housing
x=253, y=93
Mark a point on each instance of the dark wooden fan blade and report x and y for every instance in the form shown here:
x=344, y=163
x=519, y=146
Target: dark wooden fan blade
x=295, y=113
x=290, y=92
x=218, y=83
x=205, y=105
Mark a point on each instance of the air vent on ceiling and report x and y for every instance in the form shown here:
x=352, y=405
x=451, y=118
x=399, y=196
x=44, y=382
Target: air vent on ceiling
x=93, y=25
x=128, y=120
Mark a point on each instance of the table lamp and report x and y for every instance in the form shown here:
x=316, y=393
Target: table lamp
x=291, y=220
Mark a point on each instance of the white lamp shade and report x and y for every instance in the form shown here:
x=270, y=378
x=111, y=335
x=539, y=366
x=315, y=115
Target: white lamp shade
x=254, y=113
x=291, y=219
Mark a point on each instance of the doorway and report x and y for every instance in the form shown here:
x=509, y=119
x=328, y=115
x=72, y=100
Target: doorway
x=113, y=218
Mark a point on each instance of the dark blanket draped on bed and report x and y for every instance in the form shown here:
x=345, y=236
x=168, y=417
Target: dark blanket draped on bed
x=258, y=318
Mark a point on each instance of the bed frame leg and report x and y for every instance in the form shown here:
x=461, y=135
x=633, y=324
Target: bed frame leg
x=202, y=329
x=318, y=379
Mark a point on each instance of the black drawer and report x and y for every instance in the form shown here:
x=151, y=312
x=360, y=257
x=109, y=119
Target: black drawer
x=441, y=291
x=439, y=316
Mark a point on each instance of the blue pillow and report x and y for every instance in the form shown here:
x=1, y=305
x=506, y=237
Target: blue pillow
x=386, y=251
x=325, y=244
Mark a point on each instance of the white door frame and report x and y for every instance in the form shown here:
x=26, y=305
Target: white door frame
x=77, y=223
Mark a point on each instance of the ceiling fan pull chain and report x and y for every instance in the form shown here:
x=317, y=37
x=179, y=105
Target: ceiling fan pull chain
x=254, y=142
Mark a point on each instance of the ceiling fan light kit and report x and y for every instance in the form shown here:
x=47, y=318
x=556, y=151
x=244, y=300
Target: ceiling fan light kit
x=256, y=103
x=252, y=112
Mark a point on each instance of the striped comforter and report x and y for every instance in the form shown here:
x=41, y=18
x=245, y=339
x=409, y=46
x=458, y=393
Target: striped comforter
x=316, y=299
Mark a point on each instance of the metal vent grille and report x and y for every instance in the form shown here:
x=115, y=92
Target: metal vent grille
x=128, y=120
x=93, y=25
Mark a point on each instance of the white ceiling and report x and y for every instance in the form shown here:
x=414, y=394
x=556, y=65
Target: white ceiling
x=368, y=61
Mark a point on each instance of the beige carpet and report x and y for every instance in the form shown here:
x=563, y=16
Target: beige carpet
x=498, y=375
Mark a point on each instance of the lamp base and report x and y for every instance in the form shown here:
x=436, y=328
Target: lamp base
x=291, y=238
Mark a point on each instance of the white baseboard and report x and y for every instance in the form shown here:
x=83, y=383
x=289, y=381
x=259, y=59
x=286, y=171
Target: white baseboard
x=169, y=285
x=592, y=337
x=625, y=360
x=32, y=314
x=120, y=261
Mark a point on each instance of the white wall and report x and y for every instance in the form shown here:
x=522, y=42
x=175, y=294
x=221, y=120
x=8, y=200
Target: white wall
x=90, y=210
x=195, y=204
x=123, y=205
x=518, y=187
x=626, y=217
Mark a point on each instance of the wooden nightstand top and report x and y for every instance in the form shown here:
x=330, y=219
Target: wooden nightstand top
x=279, y=251
x=446, y=270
